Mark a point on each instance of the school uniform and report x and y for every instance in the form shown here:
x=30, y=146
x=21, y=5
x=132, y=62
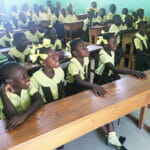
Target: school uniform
x=2, y=116
x=76, y=68
x=3, y=59
x=22, y=24
x=102, y=73
x=71, y=18
x=2, y=26
x=27, y=14
x=142, y=43
x=50, y=89
x=144, y=19
x=123, y=16
x=53, y=20
x=15, y=15
x=115, y=29
x=35, y=17
x=34, y=37
x=43, y=16
x=19, y=56
x=62, y=19
x=48, y=10
x=99, y=19
x=110, y=16
x=57, y=45
x=6, y=41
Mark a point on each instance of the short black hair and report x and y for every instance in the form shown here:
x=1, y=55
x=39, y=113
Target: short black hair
x=8, y=69
x=116, y=17
x=18, y=35
x=74, y=43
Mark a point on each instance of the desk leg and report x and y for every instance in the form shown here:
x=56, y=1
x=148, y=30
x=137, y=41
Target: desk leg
x=142, y=115
x=90, y=38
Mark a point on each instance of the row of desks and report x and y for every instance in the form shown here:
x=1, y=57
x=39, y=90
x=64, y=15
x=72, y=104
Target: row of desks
x=62, y=121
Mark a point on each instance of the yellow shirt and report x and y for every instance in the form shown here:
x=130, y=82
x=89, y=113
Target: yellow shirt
x=2, y=26
x=20, y=56
x=35, y=17
x=86, y=22
x=34, y=37
x=43, y=16
x=5, y=39
x=53, y=19
x=71, y=18
x=110, y=16
x=99, y=19
x=57, y=45
x=2, y=116
x=62, y=19
x=15, y=15
x=123, y=17
x=39, y=80
x=139, y=39
x=75, y=68
x=115, y=29
x=104, y=58
x=22, y=24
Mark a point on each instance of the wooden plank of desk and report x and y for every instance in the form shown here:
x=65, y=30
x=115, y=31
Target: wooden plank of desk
x=62, y=121
x=93, y=48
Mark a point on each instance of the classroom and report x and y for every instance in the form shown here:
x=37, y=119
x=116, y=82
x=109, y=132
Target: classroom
x=74, y=75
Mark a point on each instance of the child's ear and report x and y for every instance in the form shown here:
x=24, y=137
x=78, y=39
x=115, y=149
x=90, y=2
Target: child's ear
x=10, y=81
x=75, y=53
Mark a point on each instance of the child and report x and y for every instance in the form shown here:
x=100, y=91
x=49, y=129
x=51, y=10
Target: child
x=3, y=59
x=33, y=35
x=70, y=16
x=48, y=8
x=112, y=13
x=53, y=18
x=106, y=70
x=77, y=71
x=43, y=16
x=88, y=22
x=117, y=29
x=35, y=14
x=18, y=103
x=49, y=80
x=129, y=23
x=23, y=21
x=58, y=7
x=62, y=16
x=20, y=51
x=55, y=43
x=93, y=7
x=26, y=11
x=7, y=39
x=142, y=46
x=124, y=14
x=102, y=18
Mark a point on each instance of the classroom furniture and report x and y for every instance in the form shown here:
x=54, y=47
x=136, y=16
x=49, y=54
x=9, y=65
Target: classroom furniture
x=82, y=16
x=62, y=121
x=70, y=27
x=95, y=31
x=127, y=39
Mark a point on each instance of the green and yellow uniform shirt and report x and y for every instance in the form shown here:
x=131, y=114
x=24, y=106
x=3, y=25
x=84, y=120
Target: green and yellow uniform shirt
x=53, y=19
x=48, y=10
x=110, y=16
x=141, y=42
x=99, y=19
x=34, y=37
x=43, y=16
x=57, y=45
x=71, y=18
x=62, y=19
x=2, y=116
x=3, y=58
x=15, y=15
x=115, y=29
x=2, y=26
x=19, y=56
x=27, y=14
x=35, y=17
x=41, y=83
x=123, y=17
x=22, y=24
x=86, y=22
x=104, y=58
x=5, y=39
x=75, y=68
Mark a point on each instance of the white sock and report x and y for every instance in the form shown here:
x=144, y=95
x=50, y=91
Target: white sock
x=113, y=139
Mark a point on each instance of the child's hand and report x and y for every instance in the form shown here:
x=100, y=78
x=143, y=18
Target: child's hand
x=139, y=74
x=9, y=88
x=98, y=90
x=15, y=121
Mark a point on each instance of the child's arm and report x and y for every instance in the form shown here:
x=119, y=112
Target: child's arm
x=138, y=74
x=16, y=120
x=98, y=90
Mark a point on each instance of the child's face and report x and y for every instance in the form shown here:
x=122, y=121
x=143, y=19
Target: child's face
x=140, y=13
x=118, y=21
x=52, y=60
x=94, y=4
x=102, y=12
x=81, y=50
x=21, y=79
x=112, y=43
x=53, y=34
x=113, y=8
x=22, y=43
x=125, y=11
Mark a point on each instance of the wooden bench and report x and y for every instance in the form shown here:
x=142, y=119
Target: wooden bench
x=70, y=27
x=62, y=121
x=82, y=16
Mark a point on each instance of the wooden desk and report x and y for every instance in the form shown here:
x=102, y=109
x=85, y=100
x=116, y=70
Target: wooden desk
x=5, y=50
x=63, y=121
x=128, y=39
x=95, y=31
x=69, y=27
